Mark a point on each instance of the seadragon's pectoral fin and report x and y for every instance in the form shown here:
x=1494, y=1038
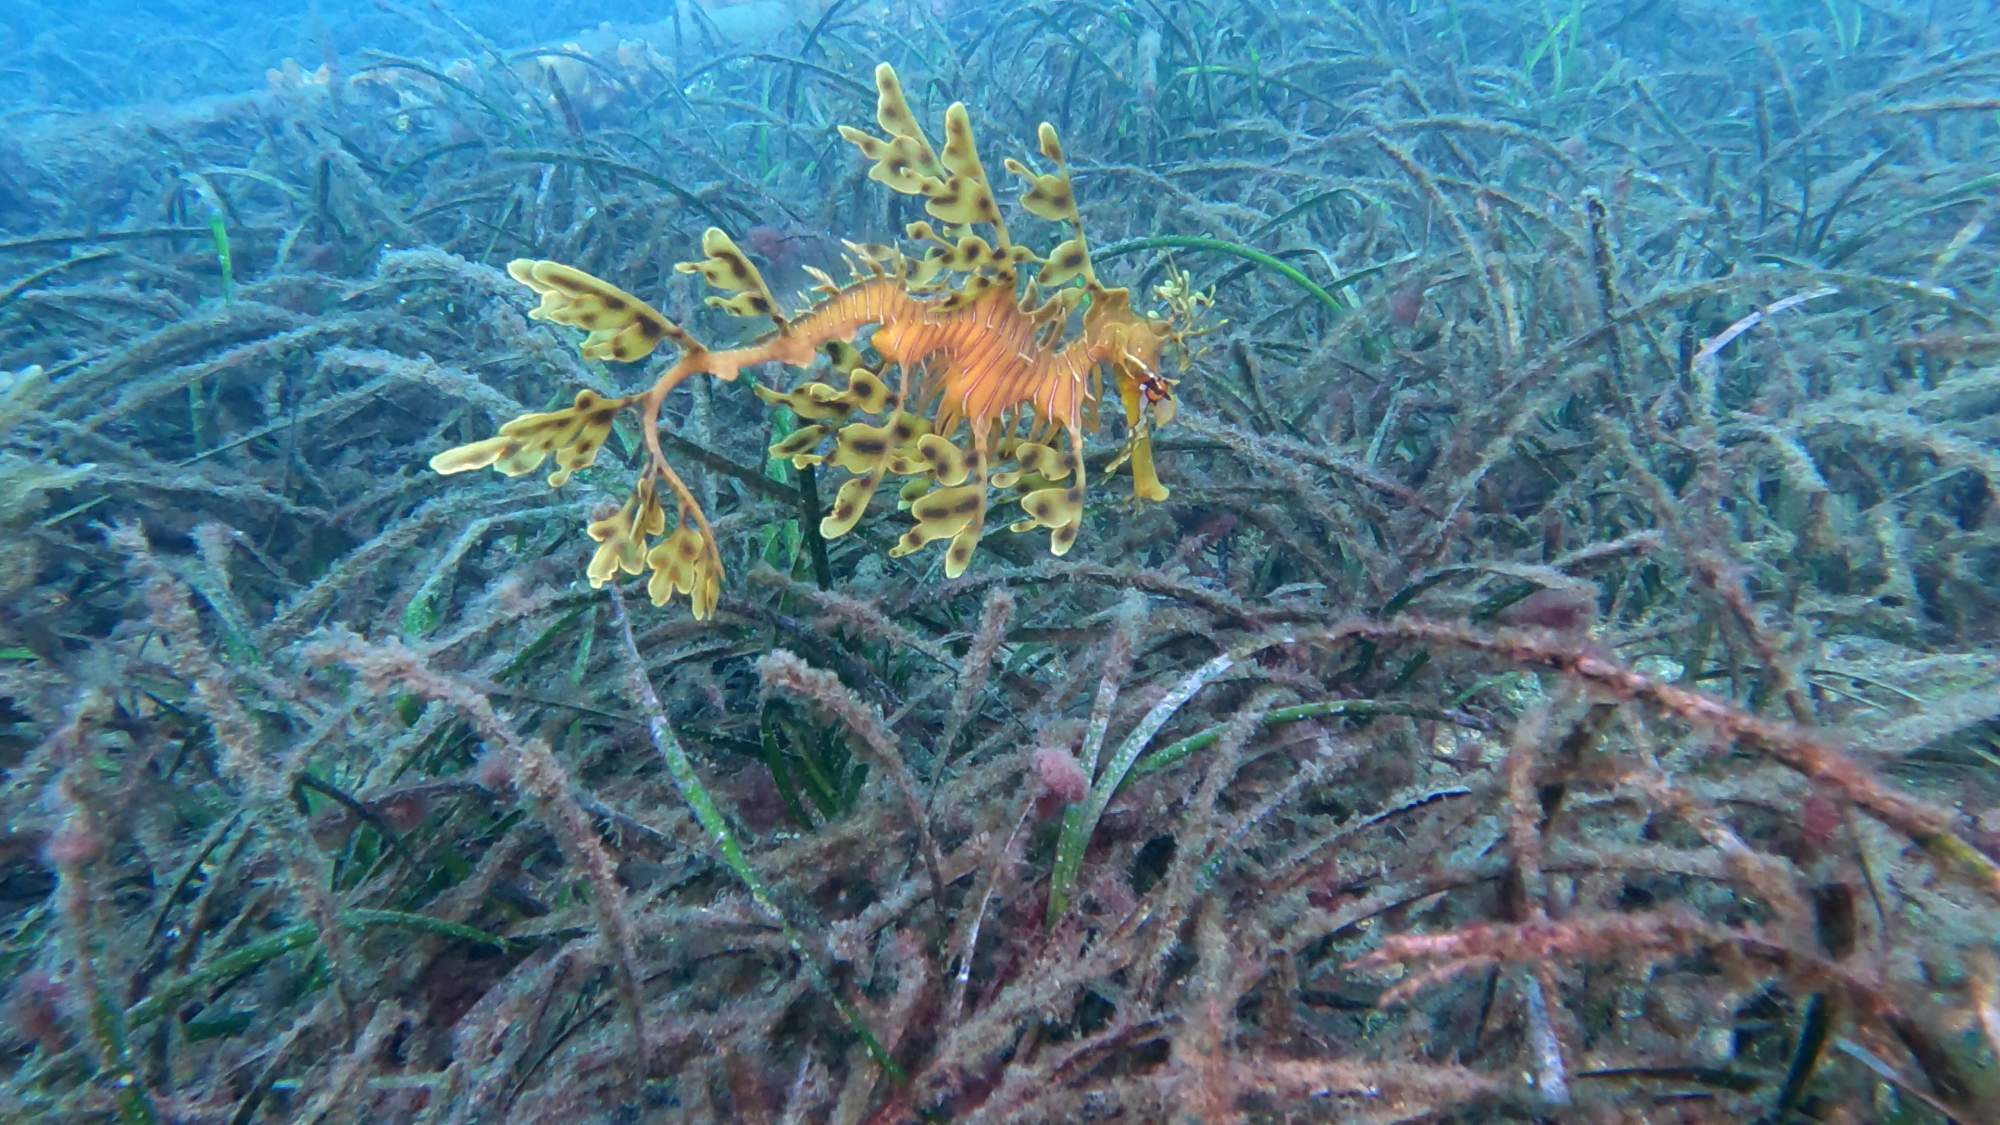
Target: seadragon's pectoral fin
x=621, y=326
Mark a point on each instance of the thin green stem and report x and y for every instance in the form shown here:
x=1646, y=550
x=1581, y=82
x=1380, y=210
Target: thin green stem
x=702, y=805
x=1180, y=242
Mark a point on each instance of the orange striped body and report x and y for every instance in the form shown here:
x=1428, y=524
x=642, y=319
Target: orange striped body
x=980, y=360
x=990, y=362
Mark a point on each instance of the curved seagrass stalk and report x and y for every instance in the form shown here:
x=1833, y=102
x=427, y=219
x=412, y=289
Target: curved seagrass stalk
x=980, y=349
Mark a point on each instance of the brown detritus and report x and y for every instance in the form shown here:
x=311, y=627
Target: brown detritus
x=1557, y=610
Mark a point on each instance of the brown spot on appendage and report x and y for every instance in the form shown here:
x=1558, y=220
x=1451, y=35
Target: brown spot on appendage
x=868, y=447
x=903, y=430
x=652, y=329
x=583, y=448
x=1071, y=261
x=844, y=512
x=1074, y=495
x=1038, y=509
x=613, y=302
x=758, y=303
x=601, y=417
x=968, y=505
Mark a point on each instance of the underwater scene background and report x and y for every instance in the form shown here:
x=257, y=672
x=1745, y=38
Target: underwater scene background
x=1229, y=561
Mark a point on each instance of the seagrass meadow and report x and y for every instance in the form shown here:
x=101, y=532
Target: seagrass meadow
x=1192, y=561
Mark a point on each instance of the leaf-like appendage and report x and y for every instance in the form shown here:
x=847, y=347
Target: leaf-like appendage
x=1047, y=197
x=1055, y=312
x=958, y=556
x=573, y=435
x=893, y=114
x=798, y=446
x=862, y=448
x=812, y=401
x=622, y=536
x=1051, y=196
x=850, y=505
x=961, y=152
x=1043, y=461
x=1145, y=478
x=947, y=513
x=967, y=255
x=975, y=287
x=1065, y=262
x=898, y=162
x=949, y=464
x=621, y=326
x=868, y=392
x=506, y=453
x=870, y=453
x=1111, y=320
x=865, y=392
x=747, y=305
x=964, y=200
x=882, y=261
x=958, y=513
x=684, y=563
x=843, y=356
x=1059, y=509
x=904, y=162
x=1051, y=147
x=727, y=268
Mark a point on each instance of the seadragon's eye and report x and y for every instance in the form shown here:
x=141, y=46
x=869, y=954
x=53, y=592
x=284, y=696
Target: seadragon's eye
x=1154, y=388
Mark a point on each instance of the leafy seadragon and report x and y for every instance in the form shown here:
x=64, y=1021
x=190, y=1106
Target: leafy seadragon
x=982, y=353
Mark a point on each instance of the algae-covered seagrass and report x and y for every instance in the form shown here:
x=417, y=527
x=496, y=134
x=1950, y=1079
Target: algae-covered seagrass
x=981, y=350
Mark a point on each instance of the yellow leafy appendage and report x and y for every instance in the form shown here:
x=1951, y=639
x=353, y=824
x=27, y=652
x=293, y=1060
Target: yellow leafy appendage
x=977, y=351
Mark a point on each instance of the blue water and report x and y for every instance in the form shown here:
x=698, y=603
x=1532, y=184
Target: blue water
x=93, y=54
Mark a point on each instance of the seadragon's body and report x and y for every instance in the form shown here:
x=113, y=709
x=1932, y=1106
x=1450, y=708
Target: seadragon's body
x=978, y=357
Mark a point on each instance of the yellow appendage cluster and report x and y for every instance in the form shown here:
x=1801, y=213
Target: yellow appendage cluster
x=979, y=352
